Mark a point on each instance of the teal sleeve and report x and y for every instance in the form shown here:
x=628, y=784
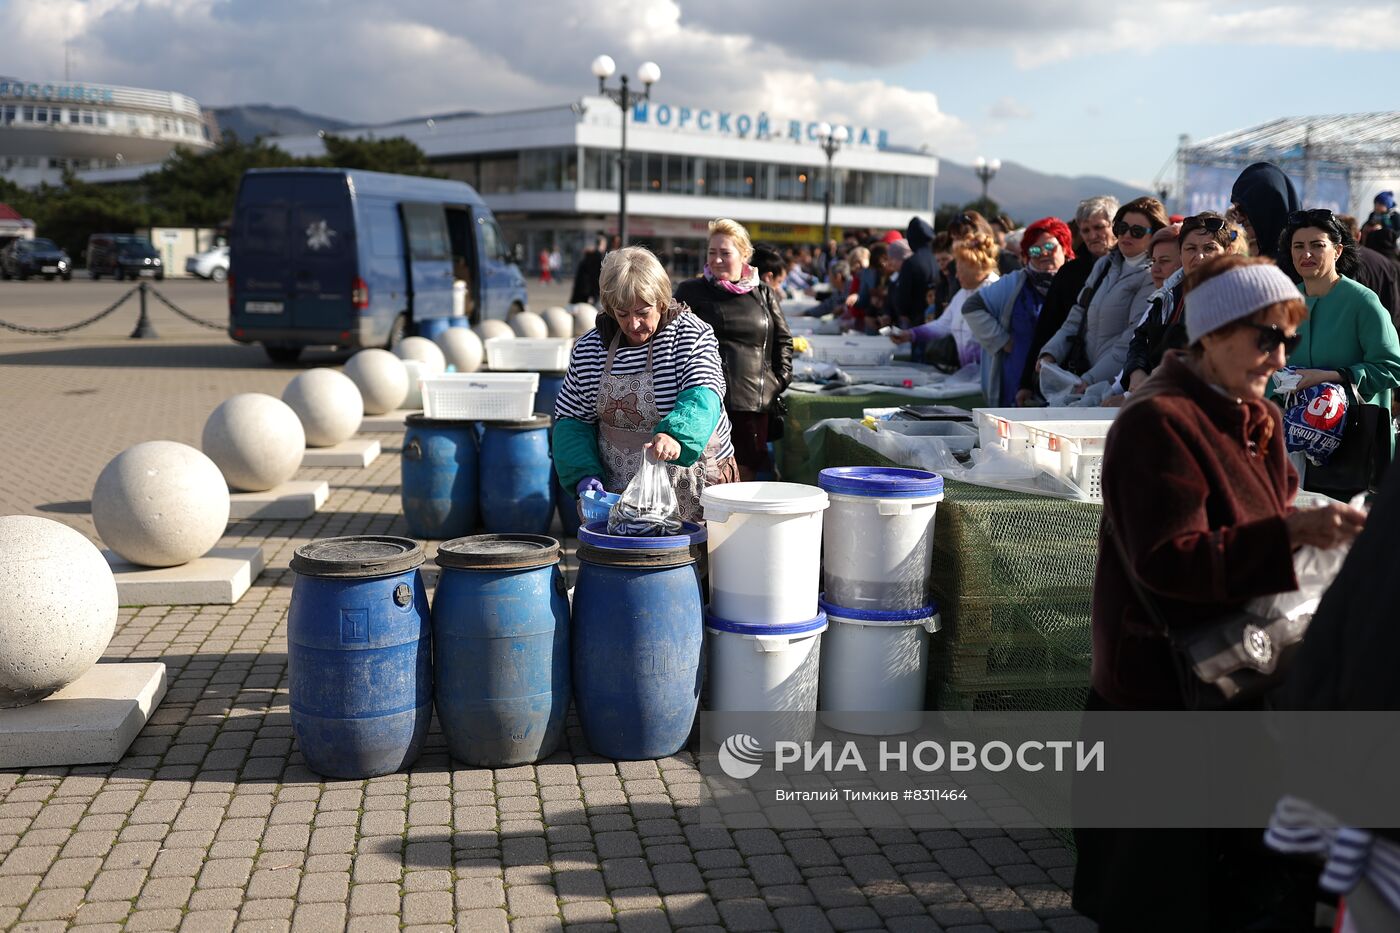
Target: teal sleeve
x=1379, y=369
x=576, y=452
x=692, y=422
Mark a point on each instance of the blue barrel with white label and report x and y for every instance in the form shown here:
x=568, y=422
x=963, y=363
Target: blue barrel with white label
x=439, y=477
x=638, y=632
x=548, y=392
x=517, y=476
x=433, y=326
x=359, y=655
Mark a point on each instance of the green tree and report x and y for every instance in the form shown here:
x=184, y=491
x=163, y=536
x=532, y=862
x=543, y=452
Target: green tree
x=197, y=189
x=946, y=212
x=396, y=155
x=70, y=212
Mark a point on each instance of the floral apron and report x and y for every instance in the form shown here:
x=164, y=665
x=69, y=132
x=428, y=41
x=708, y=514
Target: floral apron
x=627, y=420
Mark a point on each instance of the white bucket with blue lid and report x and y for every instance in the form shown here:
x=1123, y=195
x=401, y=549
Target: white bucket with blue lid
x=763, y=678
x=874, y=668
x=878, y=536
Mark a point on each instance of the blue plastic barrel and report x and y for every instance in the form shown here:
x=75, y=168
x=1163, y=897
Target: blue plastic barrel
x=501, y=649
x=439, y=477
x=359, y=655
x=433, y=326
x=517, y=477
x=638, y=631
x=548, y=392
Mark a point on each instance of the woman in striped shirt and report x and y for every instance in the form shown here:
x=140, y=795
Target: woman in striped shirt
x=647, y=379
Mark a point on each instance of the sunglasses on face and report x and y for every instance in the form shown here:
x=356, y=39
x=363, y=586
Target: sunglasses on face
x=1271, y=336
x=1046, y=249
x=1318, y=216
x=1136, y=231
x=1211, y=225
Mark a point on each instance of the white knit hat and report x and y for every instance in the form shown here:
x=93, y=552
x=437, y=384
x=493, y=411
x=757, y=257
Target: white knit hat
x=1233, y=295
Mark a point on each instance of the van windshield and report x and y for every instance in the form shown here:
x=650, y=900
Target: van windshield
x=141, y=249
x=39, y=243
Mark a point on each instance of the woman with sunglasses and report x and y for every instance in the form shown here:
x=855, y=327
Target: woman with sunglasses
x=1348, y=336
x=1002, y=315
x=1197, y=490
x=1202, y=236
x=1093, y=341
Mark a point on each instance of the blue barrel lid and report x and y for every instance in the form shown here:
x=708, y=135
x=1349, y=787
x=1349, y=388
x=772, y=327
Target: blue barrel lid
x=357, y=556
x=533, y=423
x=595, y=534
x=761, y=628
x=880, y=482
x=498, y=552
x=879, y=616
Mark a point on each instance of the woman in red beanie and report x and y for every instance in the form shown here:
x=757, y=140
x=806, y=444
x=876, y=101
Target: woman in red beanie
x=1002, y=315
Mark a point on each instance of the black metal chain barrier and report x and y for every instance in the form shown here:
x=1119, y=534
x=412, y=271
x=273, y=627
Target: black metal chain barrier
x=44, y=331
x=185, y=314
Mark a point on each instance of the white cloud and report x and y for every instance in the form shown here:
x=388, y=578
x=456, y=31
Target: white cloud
x=1008, y=108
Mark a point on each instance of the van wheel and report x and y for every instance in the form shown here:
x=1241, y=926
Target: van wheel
x=397, y=332
x=218, y=274
x=516, y=308
x=282, y=354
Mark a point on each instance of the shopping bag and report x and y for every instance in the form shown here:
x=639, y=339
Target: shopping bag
x=648, y=507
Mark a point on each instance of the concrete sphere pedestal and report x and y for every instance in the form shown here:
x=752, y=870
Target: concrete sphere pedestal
x=486, y=330
x=529, y=325
x=425, y=351
x=58, y=607
x=585, y=318
x=381, y=379
x=160, y=504
x=559, y=322
x=413, y=401
x=463, y=349
x=328, y=404
x=255, y=440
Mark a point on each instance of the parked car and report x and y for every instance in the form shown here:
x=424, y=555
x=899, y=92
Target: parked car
x=212, y=264
x=23, y=258
x=123, y=256
x=325, y=256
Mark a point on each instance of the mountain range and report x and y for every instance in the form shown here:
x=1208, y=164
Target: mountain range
x=1021, y=191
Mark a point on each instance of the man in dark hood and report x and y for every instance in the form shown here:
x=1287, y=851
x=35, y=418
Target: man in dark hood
x=1264, y=197
x=918, y=274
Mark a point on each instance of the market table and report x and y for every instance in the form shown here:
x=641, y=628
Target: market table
x=804, y=409
x=1013, y=575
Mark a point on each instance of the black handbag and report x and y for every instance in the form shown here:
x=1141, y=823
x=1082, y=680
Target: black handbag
x=1359, y=463
x=1228, y=661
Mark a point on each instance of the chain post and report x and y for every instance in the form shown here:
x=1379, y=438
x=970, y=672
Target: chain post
x=144, y=329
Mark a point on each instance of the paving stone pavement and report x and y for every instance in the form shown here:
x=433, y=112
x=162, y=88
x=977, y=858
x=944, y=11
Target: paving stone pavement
x=212, y=822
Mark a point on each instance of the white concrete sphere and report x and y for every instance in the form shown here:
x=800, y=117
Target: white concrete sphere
x=424, y=351
x=328, y=404
x=413, y=401
x=463, y=349
x=58, y=607
x=255, y=440
x=529, y=325
x=559, y=322
x=493, y=328
x=585, y=318
x=160, y=504
x=381, y=379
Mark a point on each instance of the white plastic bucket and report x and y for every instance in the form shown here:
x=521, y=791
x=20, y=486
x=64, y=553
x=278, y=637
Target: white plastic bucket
x=879, y=536
x=765, y=551
x=874, y=669
x=763, y=679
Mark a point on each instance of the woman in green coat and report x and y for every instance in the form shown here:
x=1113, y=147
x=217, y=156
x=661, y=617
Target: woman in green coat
x=1348, y=336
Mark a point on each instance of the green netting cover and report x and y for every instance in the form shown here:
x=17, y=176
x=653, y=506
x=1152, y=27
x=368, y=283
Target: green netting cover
x=1013, y=575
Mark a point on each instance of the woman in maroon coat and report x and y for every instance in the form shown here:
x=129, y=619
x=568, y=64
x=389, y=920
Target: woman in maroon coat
x=1199, y=490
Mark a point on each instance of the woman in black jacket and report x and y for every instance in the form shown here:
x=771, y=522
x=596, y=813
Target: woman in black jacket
x=754, y=342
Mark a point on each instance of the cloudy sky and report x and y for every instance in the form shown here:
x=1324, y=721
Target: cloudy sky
x=1085, y=87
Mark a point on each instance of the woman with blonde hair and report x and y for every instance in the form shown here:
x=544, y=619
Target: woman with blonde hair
x=647, y=379
x=755, y=344
x=976, y=258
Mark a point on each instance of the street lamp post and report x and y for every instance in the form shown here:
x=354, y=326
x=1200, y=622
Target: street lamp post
x=986, y=171
x=831, y=140
x=623, y=96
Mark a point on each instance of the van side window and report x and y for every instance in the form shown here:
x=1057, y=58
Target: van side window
x=265, y=230
x=384, y=231
x=427, y=232
x=491, y=239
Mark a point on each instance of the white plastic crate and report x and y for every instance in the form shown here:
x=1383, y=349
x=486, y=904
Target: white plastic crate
x=480, y=396
x=1006, y=427
x=535, y=354
x=850, y=350
x=1071, y=450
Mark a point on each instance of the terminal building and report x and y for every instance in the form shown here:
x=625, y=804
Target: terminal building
x=550, y=175
x=47, y=127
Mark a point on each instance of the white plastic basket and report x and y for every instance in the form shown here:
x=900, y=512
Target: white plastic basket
x=534, y=354
x=1071, y=450
x=1006, y=427
x=850, y=350
x=480, y=396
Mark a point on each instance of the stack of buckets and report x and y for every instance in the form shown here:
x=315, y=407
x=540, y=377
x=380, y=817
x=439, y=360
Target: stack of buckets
x=764, y=626
x=879, y=551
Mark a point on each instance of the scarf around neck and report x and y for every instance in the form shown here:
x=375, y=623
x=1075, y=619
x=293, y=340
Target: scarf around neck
x=748, y=280
x=1040, y=281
